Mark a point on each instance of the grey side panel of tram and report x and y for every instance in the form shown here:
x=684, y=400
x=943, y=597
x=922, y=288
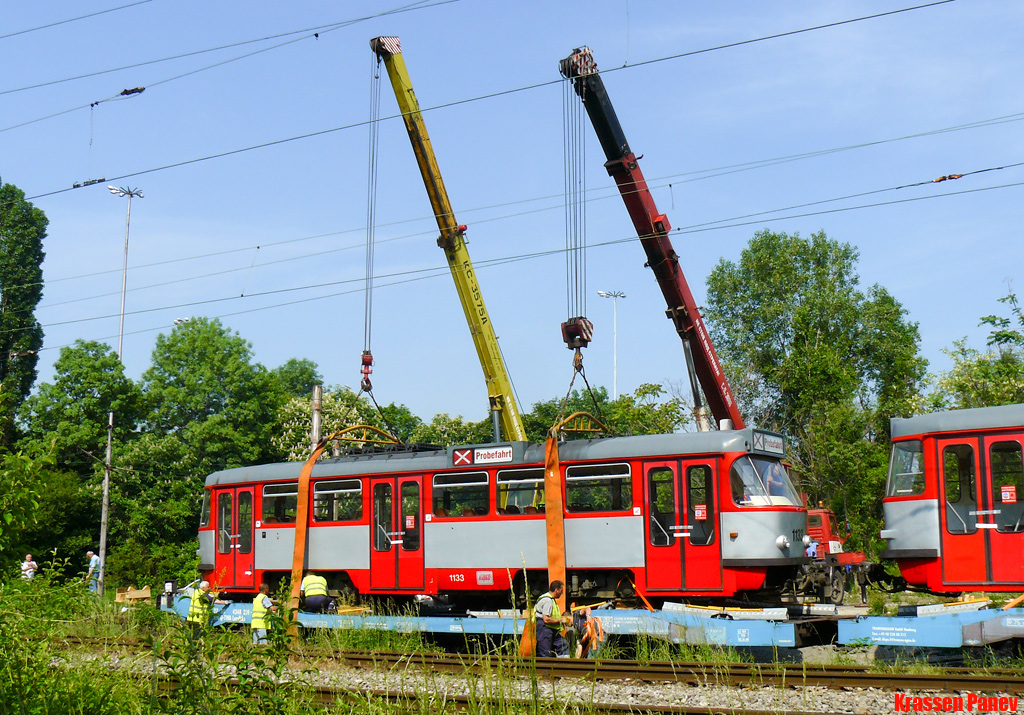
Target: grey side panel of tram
x=663, y=445
x=912, y=526
x=959, y=420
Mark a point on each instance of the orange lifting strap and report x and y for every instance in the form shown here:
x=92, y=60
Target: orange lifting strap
x=364, y=434
x=554, y=513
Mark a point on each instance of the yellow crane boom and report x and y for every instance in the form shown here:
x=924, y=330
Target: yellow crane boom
x=452, y=240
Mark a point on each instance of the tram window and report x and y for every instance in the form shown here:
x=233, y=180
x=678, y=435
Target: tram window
x=757, y=481
x=465, y=494
x=662, y=490
x=340, y=500
x=1007, y=467
x=410, y=516
x=204, y=511
x=280, y=503
x=958, y=478
x=602, y=487
x=700, y=510
x=906, y=469
x=382, y=518
x=224, y=523
x=520, y=491
x=245, y=522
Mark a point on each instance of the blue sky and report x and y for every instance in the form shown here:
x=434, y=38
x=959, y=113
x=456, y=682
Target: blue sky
x=286, y=222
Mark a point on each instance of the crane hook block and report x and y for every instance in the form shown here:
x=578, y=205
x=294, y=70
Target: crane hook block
x=577, y=332
x=366, y=369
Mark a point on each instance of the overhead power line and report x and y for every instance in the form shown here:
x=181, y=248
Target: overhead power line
x=73, y=19
x=422, y=273
x=320, y=253
x=491, y=95
x=318, y=28
x=312, y=33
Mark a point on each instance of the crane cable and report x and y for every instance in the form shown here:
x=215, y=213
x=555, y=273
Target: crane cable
x=577, y=330
x=366, y=359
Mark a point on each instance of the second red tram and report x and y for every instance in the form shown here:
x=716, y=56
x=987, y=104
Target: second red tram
x=954, y=501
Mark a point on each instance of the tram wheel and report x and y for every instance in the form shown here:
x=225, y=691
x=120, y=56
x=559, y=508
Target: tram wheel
x=837, y=586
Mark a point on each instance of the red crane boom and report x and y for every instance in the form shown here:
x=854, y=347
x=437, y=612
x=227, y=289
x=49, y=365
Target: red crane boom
x=652, y=227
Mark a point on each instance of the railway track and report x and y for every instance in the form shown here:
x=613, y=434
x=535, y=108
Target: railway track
x=699, y=673
x=777, y=675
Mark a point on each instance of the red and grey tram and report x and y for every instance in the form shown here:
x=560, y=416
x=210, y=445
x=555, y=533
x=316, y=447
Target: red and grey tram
x=697, y=514
x=954, y=501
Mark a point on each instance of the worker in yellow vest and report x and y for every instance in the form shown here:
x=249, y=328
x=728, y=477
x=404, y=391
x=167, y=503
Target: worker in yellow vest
x=201, y=607
x=314, y=590
x=262, y=606
x=551, y=624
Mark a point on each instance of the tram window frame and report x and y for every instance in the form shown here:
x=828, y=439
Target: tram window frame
x=287, y=495
x=911, y=481
x=327, y=509
x=460, y=492
x=409, y=493
x=205, y=510
x=661, y=487
x=225, y=499
x=959, y=519
x=1010, y=518
x=245, y=513
x=705, y=535
x=594, y=479
x=507, y=477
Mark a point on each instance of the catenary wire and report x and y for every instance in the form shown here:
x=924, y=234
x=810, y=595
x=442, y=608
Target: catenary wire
x=439, y=270
x=73, y=19
x=317, y=28
x=696, y=175
x=459, y=102
x=316, y=32
x=689, y=228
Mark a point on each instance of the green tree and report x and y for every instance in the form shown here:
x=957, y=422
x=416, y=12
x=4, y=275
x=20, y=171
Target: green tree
x=71, y=413
x=297, y=377
x=819, y=359
x=203, y=385
x=22, y=230
x=19, y=499
x=208, y=406
x=642, y=412
x=989, y=378
x=790, y=316
x=445, y=431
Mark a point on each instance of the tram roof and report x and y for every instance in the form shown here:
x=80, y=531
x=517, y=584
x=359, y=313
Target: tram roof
x=525, y=453
x=974, y=418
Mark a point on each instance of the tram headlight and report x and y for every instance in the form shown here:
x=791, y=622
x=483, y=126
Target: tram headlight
x=783, y=543
x=807, y=539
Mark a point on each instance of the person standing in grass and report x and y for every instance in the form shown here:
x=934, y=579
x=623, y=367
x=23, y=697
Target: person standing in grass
x=201, y=607
x=262, y=607
x=28, y=567
x=93, y=576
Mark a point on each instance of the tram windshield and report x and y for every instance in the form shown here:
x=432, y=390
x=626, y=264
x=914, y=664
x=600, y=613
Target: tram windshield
x=906, y=469
x=757, y=481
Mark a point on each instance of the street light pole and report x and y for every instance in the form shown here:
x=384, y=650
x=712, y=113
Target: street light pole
x=614, y=295
x=130, y=193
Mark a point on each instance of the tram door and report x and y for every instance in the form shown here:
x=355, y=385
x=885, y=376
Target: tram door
x=234, y=559
x=1004, y=472
x=682, y=546
x=981, y=485
x=396, y=545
